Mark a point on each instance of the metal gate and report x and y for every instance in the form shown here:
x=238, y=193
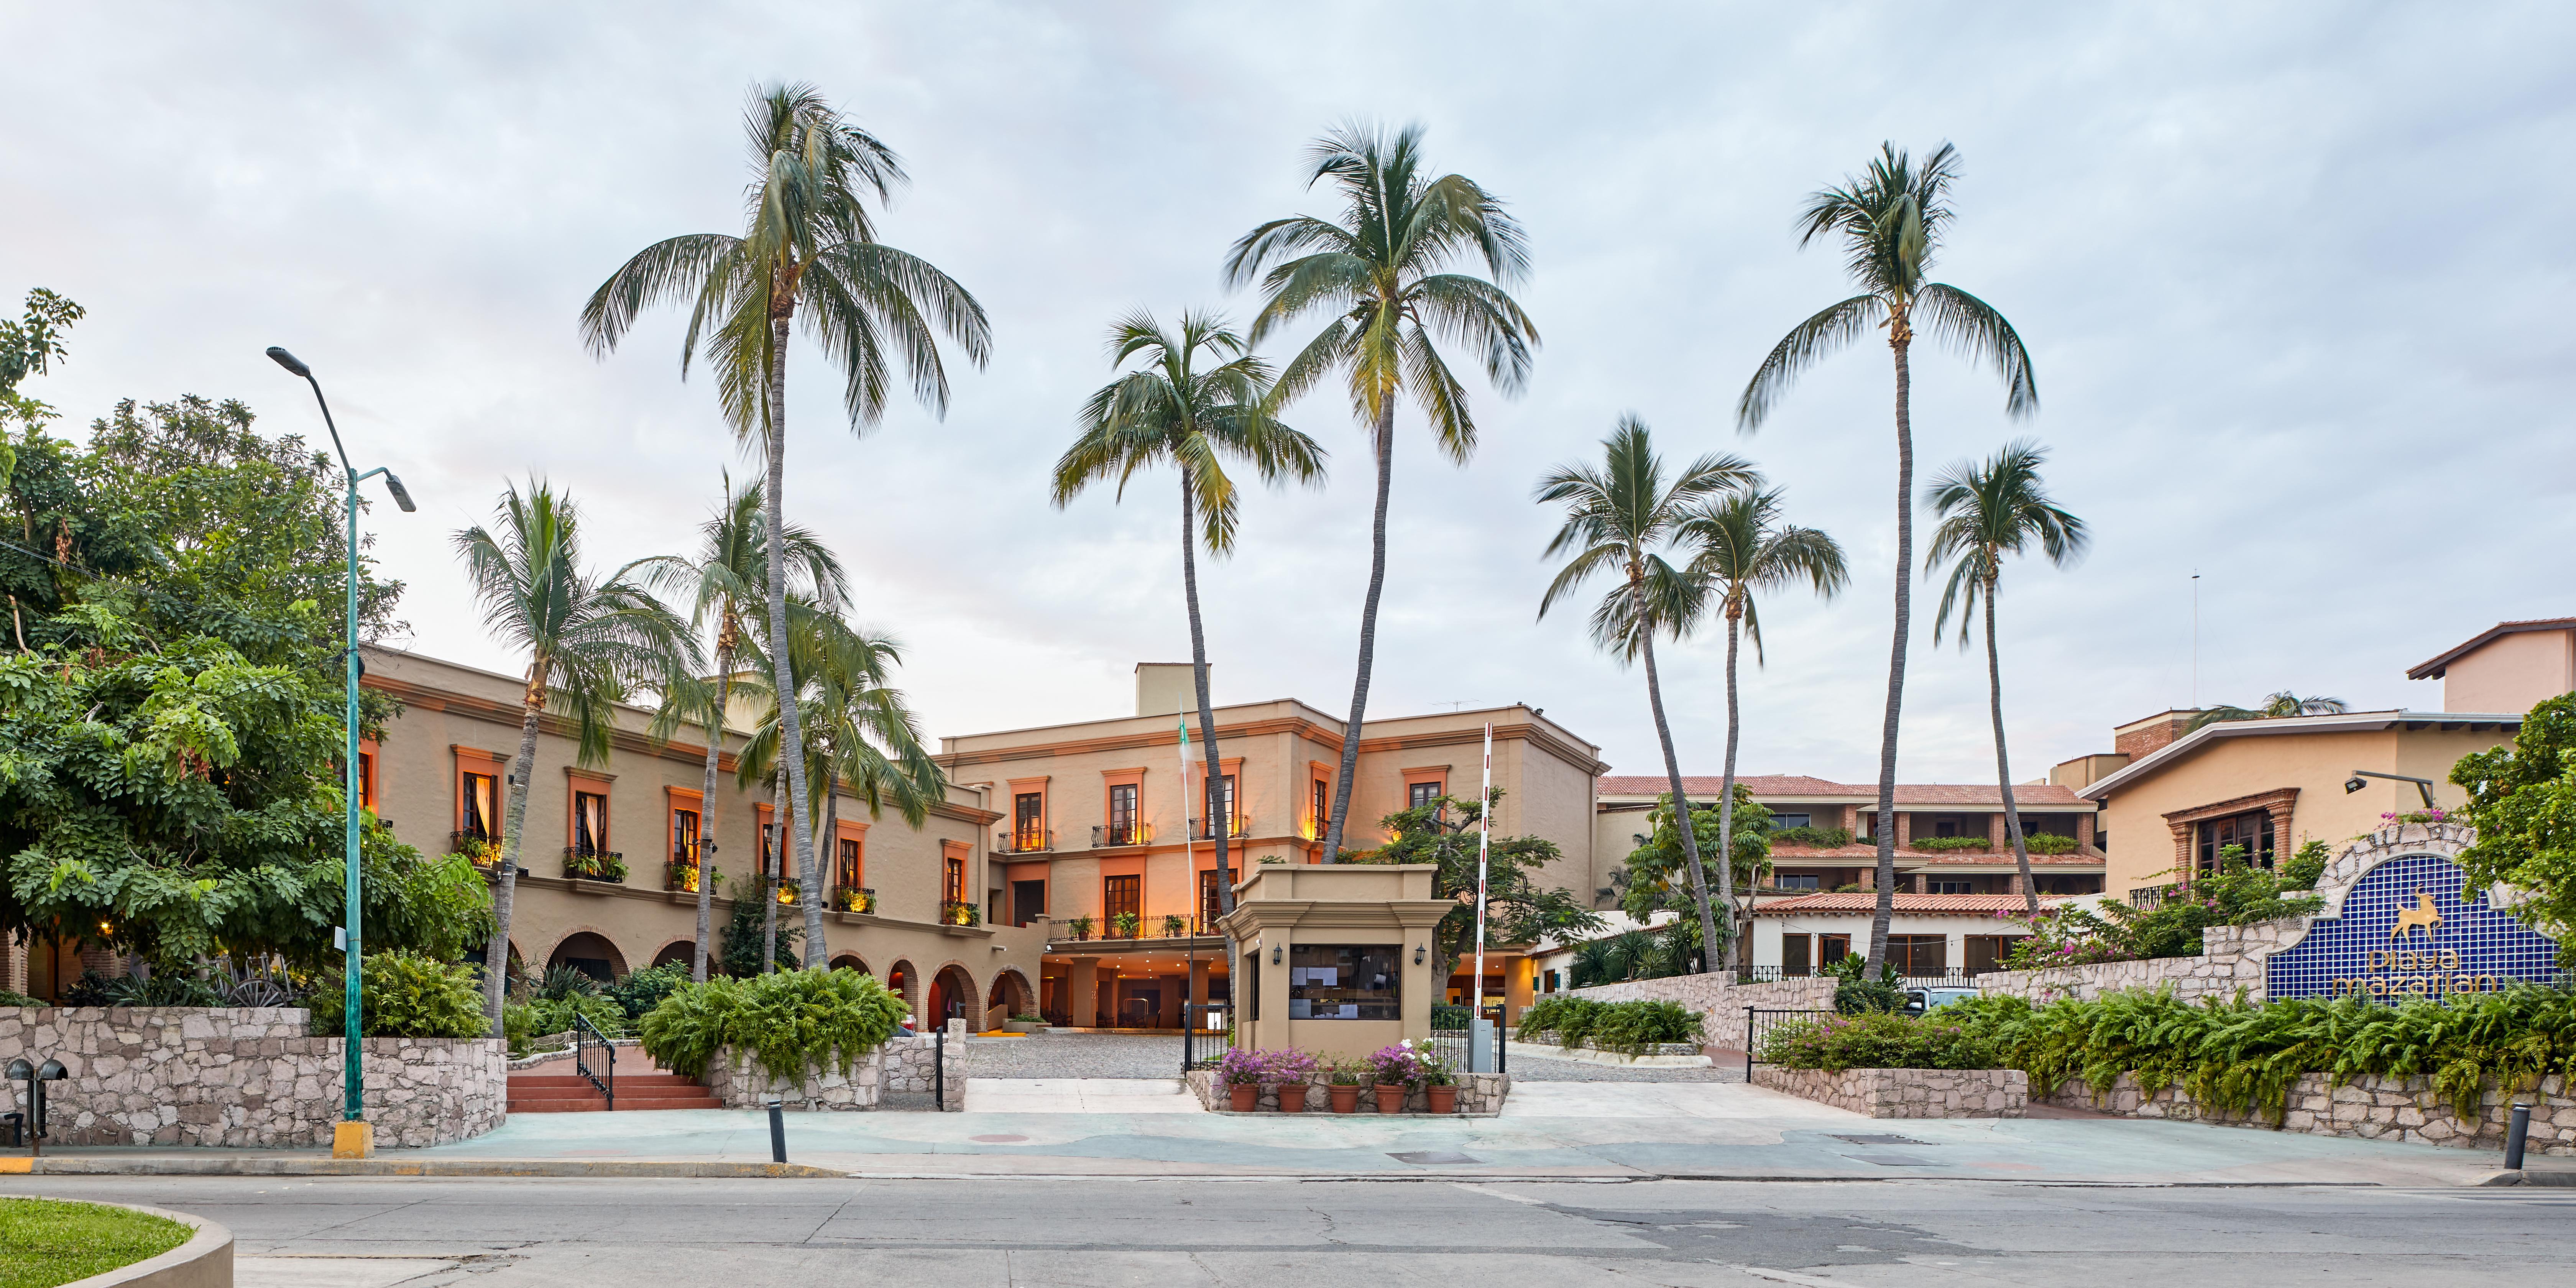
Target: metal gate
x=1207, y=1033
x=1452, y=1035
x=1758, y=1024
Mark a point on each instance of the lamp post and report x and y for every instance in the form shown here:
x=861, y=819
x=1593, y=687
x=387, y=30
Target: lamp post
x=356, y=1140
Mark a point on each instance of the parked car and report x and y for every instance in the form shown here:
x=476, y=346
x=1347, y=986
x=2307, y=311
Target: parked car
x=1919, y=1000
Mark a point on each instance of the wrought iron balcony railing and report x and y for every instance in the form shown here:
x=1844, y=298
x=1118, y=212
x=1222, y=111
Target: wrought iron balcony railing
x=855, y=899
x=1026, y=840
x=958, y=912
x=1113, y=835
x=1237, y=827
x=582, y=863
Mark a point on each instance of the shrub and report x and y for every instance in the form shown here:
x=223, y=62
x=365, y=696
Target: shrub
x=1288, y=1064
x=1631, y=1027
x=1856, y=994
x=403, y=995
x=790, y=1021
x=1569, y=1018
x=525, y=1021
x=94, y=989
x=1881, y=1040
x=1238, y=1067
x=642, y=990
x=1396, y=1066
x=1939, y=843
x=2047, y=843
x=740, y=955
x=560, y=982
x=2302, y=870
x=1820, y=837
x=8, y=998
x=1446, y=1016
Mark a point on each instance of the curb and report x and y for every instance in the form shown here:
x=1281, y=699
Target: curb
x=204, y=1261
x=425, y=1167
x=2549, y=1179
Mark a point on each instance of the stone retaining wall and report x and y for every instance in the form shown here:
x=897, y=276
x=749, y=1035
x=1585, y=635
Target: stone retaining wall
x=1478, y=1093
x=1906, y=1093
x=1719, y=1000
x=903, y=1064
x=2231, y=958
x=2404, y=1109
x=246, y=1078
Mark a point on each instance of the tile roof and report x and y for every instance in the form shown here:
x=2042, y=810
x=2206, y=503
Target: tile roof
x=1867, y=901
x=1791, y=786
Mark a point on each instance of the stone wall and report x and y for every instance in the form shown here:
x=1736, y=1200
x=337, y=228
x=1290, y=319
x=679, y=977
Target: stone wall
x=1906, y=1093
x=246, y=1077
x=2231, y=958
x=1719, y=1000
x=903, y=1064
x=2403, y=1109
x=1478, y=1093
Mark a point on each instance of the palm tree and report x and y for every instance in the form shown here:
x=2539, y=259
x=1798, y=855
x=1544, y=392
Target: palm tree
x=1890, y=220
x=589, y=642
x=1744, y=549
x=1618, y=518
x=1169, y=411
x=2279, y=706
x=860, y=734
x=810, y=243
x=1379, y=269
x=1987, y=512
x=725, y=583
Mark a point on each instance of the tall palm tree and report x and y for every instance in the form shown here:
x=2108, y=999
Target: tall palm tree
x=1889, y=220
x=2278, y=706
x=1619, y=517
x=861, y=736
x=809, y=244
x=725, y=583
x=1379, y=271
x=589, y=643
x=1744, y=548
x=1987, y=512
x=1168, y=411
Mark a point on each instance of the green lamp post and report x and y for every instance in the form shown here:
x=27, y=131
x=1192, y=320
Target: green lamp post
x=353, y=1137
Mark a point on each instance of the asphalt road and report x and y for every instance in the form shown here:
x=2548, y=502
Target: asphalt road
x=353, y=1233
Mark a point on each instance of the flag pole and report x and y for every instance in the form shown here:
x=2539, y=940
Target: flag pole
x=1484, y=849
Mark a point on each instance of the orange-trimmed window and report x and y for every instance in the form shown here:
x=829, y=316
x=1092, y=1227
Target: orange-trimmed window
x=956, y=884
x=852, y=863
x=478, y=800
x=367, y=794
x=589, y=822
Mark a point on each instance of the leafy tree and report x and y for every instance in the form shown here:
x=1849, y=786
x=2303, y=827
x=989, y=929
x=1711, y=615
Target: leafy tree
x=28, y=347
x=1656, y=868
x=1987, y=512
x=1890, y=220
x=2522, y=801
x=1619, y=516
x=742, y=951
x=2278, y=706
x=1744, y=549
x=1519, y=908
x=1380, y=271
x=1170, y=412
x=809, y=250
x=589, y=643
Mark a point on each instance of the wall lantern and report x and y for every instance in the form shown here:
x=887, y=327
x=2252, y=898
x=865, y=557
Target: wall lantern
x=1417, y=954
x=1274, y=954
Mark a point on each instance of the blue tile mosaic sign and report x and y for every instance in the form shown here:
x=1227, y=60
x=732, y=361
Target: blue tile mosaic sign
x=2410, y=930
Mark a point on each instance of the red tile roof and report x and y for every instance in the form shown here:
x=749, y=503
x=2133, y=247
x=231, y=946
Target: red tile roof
x=1791, y=786
x=1867, y=901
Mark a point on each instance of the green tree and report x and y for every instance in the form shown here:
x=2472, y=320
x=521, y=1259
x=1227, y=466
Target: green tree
x=1380, y=272
x=1657, y=869
x=1168, y=411
x=809, y=250
x=1619, y=518
x=2522, y=801
x=1989, y=511
x=1519, y=907
x=1889, y=220
x=1743, y=549
x=725, y=583
x=589, y=642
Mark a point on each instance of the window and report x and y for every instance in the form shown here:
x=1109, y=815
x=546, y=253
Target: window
x=589, y=822
x=684, y=837
x=1919, y=956
x=851, y=871
x=1950, y=887
x=1122, y=814
x=477, y=793
x=366, y=779
x=956, y=879
x=1028, y=821
x=1028, y=901
x=1211, y=896
x=1794, y=950
x=1121, y=895
x=1343, y=982
x=1225, y=806
x=1832, y=948
x=768, y=833
x=1779, y=821
x=1987, y=952
x=1796, y=881
x=1319, y=807
x=1420, y=795
x=2252, y=830
x=1551, y=981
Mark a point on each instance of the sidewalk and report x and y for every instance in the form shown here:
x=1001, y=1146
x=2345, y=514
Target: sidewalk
x=1549, y=1130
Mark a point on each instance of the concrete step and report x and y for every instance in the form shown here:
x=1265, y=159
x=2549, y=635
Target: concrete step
x=594, y=1104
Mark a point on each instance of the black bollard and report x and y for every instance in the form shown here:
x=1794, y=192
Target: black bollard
x=777, y=1134
x=2516, y=1128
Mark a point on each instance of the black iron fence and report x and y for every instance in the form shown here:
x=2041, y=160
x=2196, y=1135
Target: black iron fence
x=590, y=1046
x=1453, y=1037
x=1758, y=1024
x=1207, y=1033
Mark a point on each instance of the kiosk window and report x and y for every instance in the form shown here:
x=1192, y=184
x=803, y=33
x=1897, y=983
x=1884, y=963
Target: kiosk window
x=1343, y=982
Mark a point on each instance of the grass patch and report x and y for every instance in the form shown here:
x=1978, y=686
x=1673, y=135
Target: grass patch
x=44, y=1242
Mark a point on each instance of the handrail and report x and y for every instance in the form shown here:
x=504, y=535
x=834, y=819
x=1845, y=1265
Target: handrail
x=584, y=1034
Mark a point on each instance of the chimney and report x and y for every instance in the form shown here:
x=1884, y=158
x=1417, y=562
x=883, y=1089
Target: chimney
x=1168, y=688
x=2141, y=737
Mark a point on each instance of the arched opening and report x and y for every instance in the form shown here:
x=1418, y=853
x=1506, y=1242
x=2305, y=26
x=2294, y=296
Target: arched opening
x=849, y=961
x=1010, y=997
x=678, y=952
x=952, y=993
x=591, y=954
x=518, y=971
x=903, y=982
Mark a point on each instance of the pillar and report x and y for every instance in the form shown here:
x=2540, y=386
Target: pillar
x=1918, y=882
x=1198, y=994
x=1081, y=992
x=1169, y=987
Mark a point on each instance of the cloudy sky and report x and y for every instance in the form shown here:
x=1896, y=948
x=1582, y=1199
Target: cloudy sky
x=2294, y=278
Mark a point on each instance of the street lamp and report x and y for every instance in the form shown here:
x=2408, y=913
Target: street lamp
x=358, y=1140
x=2423, y=785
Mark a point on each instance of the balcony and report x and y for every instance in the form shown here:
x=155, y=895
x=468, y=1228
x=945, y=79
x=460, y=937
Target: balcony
x=2150, y=898
x=482, y=850
x=582, y=863
x=1128, y=925
x=855, y=899
x=1114, y=835
x=1236, y=828
x=1026, y=840
x=958, y=912
x=787, y=890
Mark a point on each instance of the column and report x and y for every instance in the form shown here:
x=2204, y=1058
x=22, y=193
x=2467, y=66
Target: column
x=1081, y=992
x=1198, y=982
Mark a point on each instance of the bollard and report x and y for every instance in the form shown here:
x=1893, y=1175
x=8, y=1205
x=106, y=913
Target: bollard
x=777, y=1134
x=2516, y=1128
x=939, y=1072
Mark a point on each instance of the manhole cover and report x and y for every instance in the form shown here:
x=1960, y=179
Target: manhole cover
x=1894, y=1160
x=1880, y=1140
x=1430, y=1157
x=1000, y=1140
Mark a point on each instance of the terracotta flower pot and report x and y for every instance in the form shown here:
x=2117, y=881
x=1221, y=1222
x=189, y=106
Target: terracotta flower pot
x=1444, y=1099
x=1292, y=1097
x=1390, y=1100
x=1345, y=1099
x=1246, y=1095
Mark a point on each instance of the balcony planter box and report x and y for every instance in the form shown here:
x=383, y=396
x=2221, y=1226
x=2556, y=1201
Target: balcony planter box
x=1292, y=1097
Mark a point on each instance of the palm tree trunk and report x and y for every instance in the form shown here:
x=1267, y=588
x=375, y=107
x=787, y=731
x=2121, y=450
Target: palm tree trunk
x=830, y=857
x=707, y=818
x=1709, y=960
x=1207, y=710
x=1898, y=336
x=769, y=878
x=1384, y=435
x=791, y=731
x=514, y=816
x=1726, y=798
x=816, y=873
x=2003, y=767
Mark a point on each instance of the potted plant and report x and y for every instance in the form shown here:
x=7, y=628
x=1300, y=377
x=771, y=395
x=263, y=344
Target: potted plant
x=1241, y=1071
x=1081, y=926
x=1125, y=925
x=1175, y=925
x=1345, y=1086
x=1437, y=1089
x=1397, y=1069
x=1288, y=1067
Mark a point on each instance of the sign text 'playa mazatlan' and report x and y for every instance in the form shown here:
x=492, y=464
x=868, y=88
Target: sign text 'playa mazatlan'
x=2411, y=928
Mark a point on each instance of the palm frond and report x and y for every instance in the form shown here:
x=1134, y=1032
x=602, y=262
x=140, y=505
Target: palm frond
x=1807, y=344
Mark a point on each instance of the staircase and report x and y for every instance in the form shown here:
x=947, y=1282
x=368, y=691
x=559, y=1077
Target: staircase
x=543, y=1091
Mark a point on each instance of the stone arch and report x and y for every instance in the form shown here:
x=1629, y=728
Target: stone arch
x=850, y=961
x=679, y=952
x=591, y=950
x=903, y=979
x=953, y=995
x=1012, y=990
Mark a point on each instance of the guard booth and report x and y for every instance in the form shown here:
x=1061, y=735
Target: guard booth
x=1335, y=959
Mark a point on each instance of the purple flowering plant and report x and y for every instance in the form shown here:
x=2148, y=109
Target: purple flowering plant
x=1398, y=1065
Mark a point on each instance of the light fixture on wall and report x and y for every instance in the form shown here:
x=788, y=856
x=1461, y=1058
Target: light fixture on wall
x=1417, y=954
x=2422, y=785
x=1274, y=954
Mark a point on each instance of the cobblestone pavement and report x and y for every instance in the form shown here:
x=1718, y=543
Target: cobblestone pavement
x=1529, y=1068
x=1074, y=1055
